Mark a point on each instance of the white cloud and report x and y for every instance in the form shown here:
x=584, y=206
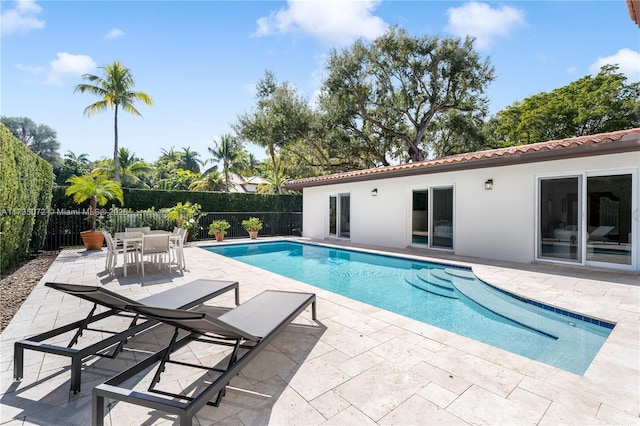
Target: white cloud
x=331, y=21
x=29, y=69
x=627, y=60
x=114, y=33
x=572, y=70
x=22, y=18
x=68, y=64
x=484, y=23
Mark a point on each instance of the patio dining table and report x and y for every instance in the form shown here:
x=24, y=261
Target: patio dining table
x=134, y=240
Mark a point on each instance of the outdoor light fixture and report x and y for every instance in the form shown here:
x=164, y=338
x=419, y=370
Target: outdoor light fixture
x=488, y=185
x=374, y=192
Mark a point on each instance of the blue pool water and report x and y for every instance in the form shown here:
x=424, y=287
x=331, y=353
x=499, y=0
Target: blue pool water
x=441, y=295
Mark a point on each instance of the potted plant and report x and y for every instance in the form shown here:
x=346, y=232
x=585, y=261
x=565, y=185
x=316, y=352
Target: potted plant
x=252, y=226
x=185, y=215
x=98, y=190
x=219, y=229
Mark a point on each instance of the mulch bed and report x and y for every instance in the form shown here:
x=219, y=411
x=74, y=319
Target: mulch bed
x=18, y=282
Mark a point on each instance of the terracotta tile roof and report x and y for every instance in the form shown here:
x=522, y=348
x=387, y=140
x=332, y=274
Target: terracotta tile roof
x=557, y=149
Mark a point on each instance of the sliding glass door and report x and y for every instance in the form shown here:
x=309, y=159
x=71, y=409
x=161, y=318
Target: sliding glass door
x=609, y=208
x=442, y=218
x=340, y=215
x=587, y=219
x=420, y=217
x=559, y=225
x=432, y=217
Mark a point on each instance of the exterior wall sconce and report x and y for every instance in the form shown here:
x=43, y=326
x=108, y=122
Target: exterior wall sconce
x=488, y=185
x=374, y=192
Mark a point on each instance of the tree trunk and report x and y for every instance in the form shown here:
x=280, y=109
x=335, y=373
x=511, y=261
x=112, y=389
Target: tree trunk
x=276, y=178
x=116, y=162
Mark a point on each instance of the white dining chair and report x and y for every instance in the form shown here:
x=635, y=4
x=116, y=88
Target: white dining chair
x=177, y=247
x=143, y=229
x=113, y=250
x=156, y=246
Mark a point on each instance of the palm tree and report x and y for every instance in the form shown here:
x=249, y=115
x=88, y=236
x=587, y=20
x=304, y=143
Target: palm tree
x=211, y=181
x=230, y=153
x=133, y=170
x=77, y=158
x=189, y=160
x=170, y=155
x=114, y=89
x=98, y=190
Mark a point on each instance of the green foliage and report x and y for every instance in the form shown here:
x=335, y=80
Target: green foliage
x=25, y=198
x=119, y=219
x=143, y=199
x=219, y=227
x=586, y=106
x=73, y=165
x=98, y=190
x=281, y=118
x=230, y=153
x=389, y=91
x=252, y=224
x=40, y=138
x=185, y=215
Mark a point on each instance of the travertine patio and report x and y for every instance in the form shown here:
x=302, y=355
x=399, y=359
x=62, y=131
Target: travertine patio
x=357, y=364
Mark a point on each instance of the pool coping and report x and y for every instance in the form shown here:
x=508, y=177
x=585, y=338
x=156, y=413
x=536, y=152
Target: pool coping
x=364, y=365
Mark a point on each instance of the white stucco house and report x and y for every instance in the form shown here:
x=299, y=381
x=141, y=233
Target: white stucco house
x=571, y=201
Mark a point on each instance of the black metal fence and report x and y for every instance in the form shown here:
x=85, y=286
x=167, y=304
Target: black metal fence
x=64, y=227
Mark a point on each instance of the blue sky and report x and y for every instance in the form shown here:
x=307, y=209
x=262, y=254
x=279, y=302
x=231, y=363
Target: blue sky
x=200, y=60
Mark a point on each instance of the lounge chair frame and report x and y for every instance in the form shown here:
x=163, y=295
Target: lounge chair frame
x=185, y=297
x=188, y=407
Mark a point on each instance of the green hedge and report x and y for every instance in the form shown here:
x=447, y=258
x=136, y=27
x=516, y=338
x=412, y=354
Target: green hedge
x=143, y=199
x=25, y=200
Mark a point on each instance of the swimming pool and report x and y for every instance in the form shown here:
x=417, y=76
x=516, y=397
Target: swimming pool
x=442, y=295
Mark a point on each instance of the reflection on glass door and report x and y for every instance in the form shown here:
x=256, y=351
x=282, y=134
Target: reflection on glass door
x=609, y=211
x=345, y=216
x=559, y=212
x=333, y=215
x=420, y=217
x=442, y=220
x=340, y=215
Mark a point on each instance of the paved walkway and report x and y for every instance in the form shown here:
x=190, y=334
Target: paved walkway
x=356, y=365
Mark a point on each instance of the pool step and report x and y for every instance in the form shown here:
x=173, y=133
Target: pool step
x=461, y=273
x=435, y=277
x=479, y=293
x=412, y=278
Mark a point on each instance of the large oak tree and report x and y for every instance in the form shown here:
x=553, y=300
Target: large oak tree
x=391, y=89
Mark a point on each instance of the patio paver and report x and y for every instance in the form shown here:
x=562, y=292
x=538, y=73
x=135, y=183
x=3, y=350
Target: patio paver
x=357, y=364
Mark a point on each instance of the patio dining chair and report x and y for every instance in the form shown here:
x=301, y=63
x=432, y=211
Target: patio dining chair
x=113, y=250
x=143, y=229
x=247, y=329
x=177, y=247
x=156, y=246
